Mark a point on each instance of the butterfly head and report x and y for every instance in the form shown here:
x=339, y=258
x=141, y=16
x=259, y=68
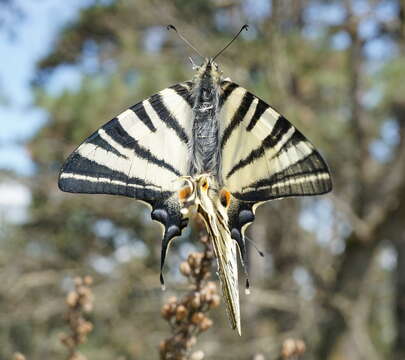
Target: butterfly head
x=209, y=69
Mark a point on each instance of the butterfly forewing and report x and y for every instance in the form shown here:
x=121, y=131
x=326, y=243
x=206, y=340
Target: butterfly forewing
x=129, y=155
x=264, y=157
x=141, y=154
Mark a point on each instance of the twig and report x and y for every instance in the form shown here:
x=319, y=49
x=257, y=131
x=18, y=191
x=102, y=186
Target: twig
x=79, y=301
x=187, y=317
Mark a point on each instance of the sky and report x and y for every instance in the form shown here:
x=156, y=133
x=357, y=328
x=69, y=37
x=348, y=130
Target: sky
x=33, y=37
x=21, y=47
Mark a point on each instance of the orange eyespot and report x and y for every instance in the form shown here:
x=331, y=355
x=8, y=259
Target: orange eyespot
x=184, y=193
x=205, y=185
x=225, y=198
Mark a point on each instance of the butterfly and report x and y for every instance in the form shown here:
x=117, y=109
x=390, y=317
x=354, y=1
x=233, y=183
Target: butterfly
x=229, y=149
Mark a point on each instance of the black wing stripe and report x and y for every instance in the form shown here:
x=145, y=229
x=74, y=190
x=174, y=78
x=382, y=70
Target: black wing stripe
x=82, y=175
x=237, y=117
x=97, y=140
x=260, y=109
x=228, y=88
x=164, y=114
x=279, y=130
x=141, y=113
x=79, y=164
x=309, y=165
x=118, y=134
x=316, y=183
x=184, y=92
x=92, y=185
x=296, y=138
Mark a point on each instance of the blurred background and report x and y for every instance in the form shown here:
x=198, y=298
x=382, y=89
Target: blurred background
x=334, y=267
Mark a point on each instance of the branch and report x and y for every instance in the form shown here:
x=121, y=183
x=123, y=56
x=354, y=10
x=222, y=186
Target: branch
x=79, y=301
x=187, y=316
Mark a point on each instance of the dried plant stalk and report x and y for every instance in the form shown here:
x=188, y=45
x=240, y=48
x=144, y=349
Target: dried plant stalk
x=187, y=317
x=79, y=302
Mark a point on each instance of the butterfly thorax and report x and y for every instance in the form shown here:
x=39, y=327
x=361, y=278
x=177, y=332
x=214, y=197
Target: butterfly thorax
x=205, y=153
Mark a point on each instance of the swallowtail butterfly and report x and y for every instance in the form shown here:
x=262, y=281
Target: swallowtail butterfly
x=230, y=149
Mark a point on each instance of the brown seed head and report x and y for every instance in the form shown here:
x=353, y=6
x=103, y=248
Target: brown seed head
x=181, y=312
x=88, y=307
x=18, y=356
x=205, y=324
x=215, y=301
x=166, y=311
x=72, y=298
x=209, y=255
x=211, y=287
x=194, y=260
x=288, y=348
x=85, y=327
x=209, y=295
x=172, y=300
x=78, y=356
x=162, y=346
x=67, y=340
x=191, y=342
x=301, y=347
x=197, y=318
x=83, y=290
x=196, y=300
x=292, y=347
x=185, y=268
x=198, y=355
x=88, y=280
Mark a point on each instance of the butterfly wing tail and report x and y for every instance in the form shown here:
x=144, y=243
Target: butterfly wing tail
x=225, y=249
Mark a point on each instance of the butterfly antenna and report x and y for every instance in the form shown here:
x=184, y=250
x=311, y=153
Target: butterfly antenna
x=261, y=253
x=171, y=27
x=244, y=27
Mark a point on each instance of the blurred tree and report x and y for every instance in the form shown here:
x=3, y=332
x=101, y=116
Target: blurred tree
x=333, y=272
x=10, y=14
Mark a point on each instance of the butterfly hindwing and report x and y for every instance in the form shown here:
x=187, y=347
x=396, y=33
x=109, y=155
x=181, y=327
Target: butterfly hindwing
x=264, y=157
x=240, y=215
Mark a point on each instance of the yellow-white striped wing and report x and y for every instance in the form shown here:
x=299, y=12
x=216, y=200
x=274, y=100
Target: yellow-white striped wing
x=264, y=156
